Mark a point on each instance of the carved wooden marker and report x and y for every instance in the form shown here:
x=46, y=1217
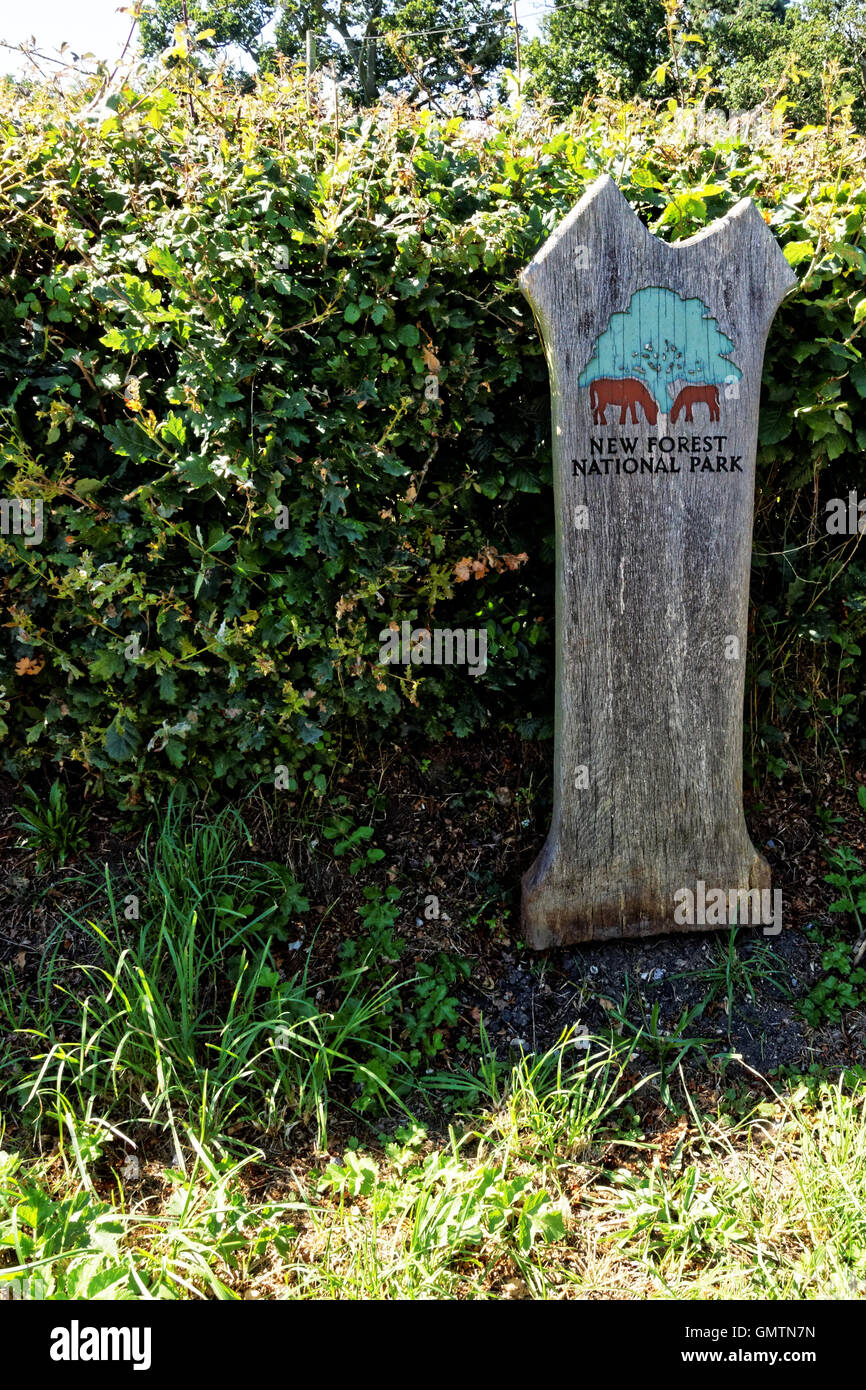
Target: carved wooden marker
x=655, y=354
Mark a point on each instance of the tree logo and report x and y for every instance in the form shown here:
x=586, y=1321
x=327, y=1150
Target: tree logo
x=661, y=353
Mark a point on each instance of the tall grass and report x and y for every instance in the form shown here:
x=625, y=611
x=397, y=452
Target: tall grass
x=183, y=1017
x=541, y=1196
x=185, y=1024
x=774, y=1209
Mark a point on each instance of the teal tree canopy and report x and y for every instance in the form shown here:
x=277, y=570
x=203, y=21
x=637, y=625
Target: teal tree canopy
x=662, y=340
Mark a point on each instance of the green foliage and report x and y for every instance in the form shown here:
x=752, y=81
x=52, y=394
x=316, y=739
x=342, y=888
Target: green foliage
x=842, y=987
x=195, y=866
x=706, y=1222
x=429, y=51
x=616, y=43
x=379, y=46
x=72, y=1244
x=50, y=826
x=227, y=22
x=221, y=322
x=806, y=55
x=431, y=1006
x=847, y=874
x=462, y=1215
x=185, y=1003
x=347, y=837
x=416, y=1012
x=525, y=1203
x=406, y=1219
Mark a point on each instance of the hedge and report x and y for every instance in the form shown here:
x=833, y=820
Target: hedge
x=269, y=373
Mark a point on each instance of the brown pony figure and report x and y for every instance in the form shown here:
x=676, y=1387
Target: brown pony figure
x=628, y=394
x=691, y=395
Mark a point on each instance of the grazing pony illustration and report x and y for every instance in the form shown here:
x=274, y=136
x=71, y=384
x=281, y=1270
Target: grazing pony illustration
x=628, y=394
x=690, y=396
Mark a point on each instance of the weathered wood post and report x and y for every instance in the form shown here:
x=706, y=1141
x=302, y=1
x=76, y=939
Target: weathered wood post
x=655, y=354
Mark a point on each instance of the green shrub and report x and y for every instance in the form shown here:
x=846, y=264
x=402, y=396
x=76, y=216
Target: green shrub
x=276, y=387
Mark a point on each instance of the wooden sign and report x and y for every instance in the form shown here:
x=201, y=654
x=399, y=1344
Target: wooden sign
x=655, y=353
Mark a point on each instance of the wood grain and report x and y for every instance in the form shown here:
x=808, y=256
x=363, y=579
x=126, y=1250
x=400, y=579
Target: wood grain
x=652, y=579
